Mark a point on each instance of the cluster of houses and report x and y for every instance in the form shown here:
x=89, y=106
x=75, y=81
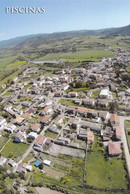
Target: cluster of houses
x=21, y=167
x=35, y=106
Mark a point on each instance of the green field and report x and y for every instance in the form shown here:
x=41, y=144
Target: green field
x=128, y=69
x=83, y=55
x=3, y=140
x=14, y=149
x=78, y=89
x=50, y=134
x=8, y=93
x=105, y=174
x=67, y=102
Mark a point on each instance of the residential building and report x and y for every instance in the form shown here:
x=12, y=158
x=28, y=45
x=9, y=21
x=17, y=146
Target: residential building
x=40, y=141
x=114, y=148
x=10, y=128
x=45, y=119
x=3, y=123
x=114, y=120
x=89, y=102
x=36, y=127
x=20, y=137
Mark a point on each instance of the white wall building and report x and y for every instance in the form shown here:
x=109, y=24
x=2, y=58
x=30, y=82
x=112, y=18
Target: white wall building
x=105, y=93
x=3, y=123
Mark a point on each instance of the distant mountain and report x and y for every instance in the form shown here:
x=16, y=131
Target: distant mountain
x=36, y=40
x=14, y=41
x=122, y=31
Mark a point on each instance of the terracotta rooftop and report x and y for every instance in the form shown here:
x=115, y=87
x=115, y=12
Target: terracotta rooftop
x=118, y=131
x=45, y=109
x=40, y=139
x=36, y=126
x=114, y=118
x=45, y=118
x=19, y=120
x=114, y=148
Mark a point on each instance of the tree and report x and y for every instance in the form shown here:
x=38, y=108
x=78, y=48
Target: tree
x=79, y=84
x=41, y=166
x=22, y=175
x=11, y=175
x=113, y=106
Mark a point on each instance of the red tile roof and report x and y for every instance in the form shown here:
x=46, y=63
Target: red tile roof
x=46, y=118
x=114, y=118
x=114, y=148
x=36, y=126
x=40, y=139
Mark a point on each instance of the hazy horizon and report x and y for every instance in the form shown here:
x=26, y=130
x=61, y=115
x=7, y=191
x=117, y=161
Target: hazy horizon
x=63, y=16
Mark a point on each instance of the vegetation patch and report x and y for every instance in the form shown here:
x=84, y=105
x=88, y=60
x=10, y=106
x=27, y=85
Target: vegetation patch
x=72, y=176
x=128, y=69
x=8, y=93
x=67, y=102
x=105, y=174
x=97, y=145
x=50, y=134
x=27, y=86
x=95, y=94
x=13, y=150
x=3, y=140
x=78, y=56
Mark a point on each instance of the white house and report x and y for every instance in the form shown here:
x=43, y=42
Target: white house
x=10, y=128
x=32, y=135
x=65, y=87
x=104, y=94
x=3, y=123
x=47, y=162
x=48, y=102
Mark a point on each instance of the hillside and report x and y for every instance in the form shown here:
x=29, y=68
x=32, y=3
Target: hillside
x=36, y=40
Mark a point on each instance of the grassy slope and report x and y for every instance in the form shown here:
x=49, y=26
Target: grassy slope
x=105, y=174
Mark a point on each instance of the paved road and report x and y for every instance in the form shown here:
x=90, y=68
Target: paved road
x=124, y=140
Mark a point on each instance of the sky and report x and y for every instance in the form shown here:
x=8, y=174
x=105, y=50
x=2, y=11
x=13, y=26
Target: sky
x=62, y=15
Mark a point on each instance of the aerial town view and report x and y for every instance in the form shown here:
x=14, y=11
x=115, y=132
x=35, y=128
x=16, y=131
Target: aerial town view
x=65, y=112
